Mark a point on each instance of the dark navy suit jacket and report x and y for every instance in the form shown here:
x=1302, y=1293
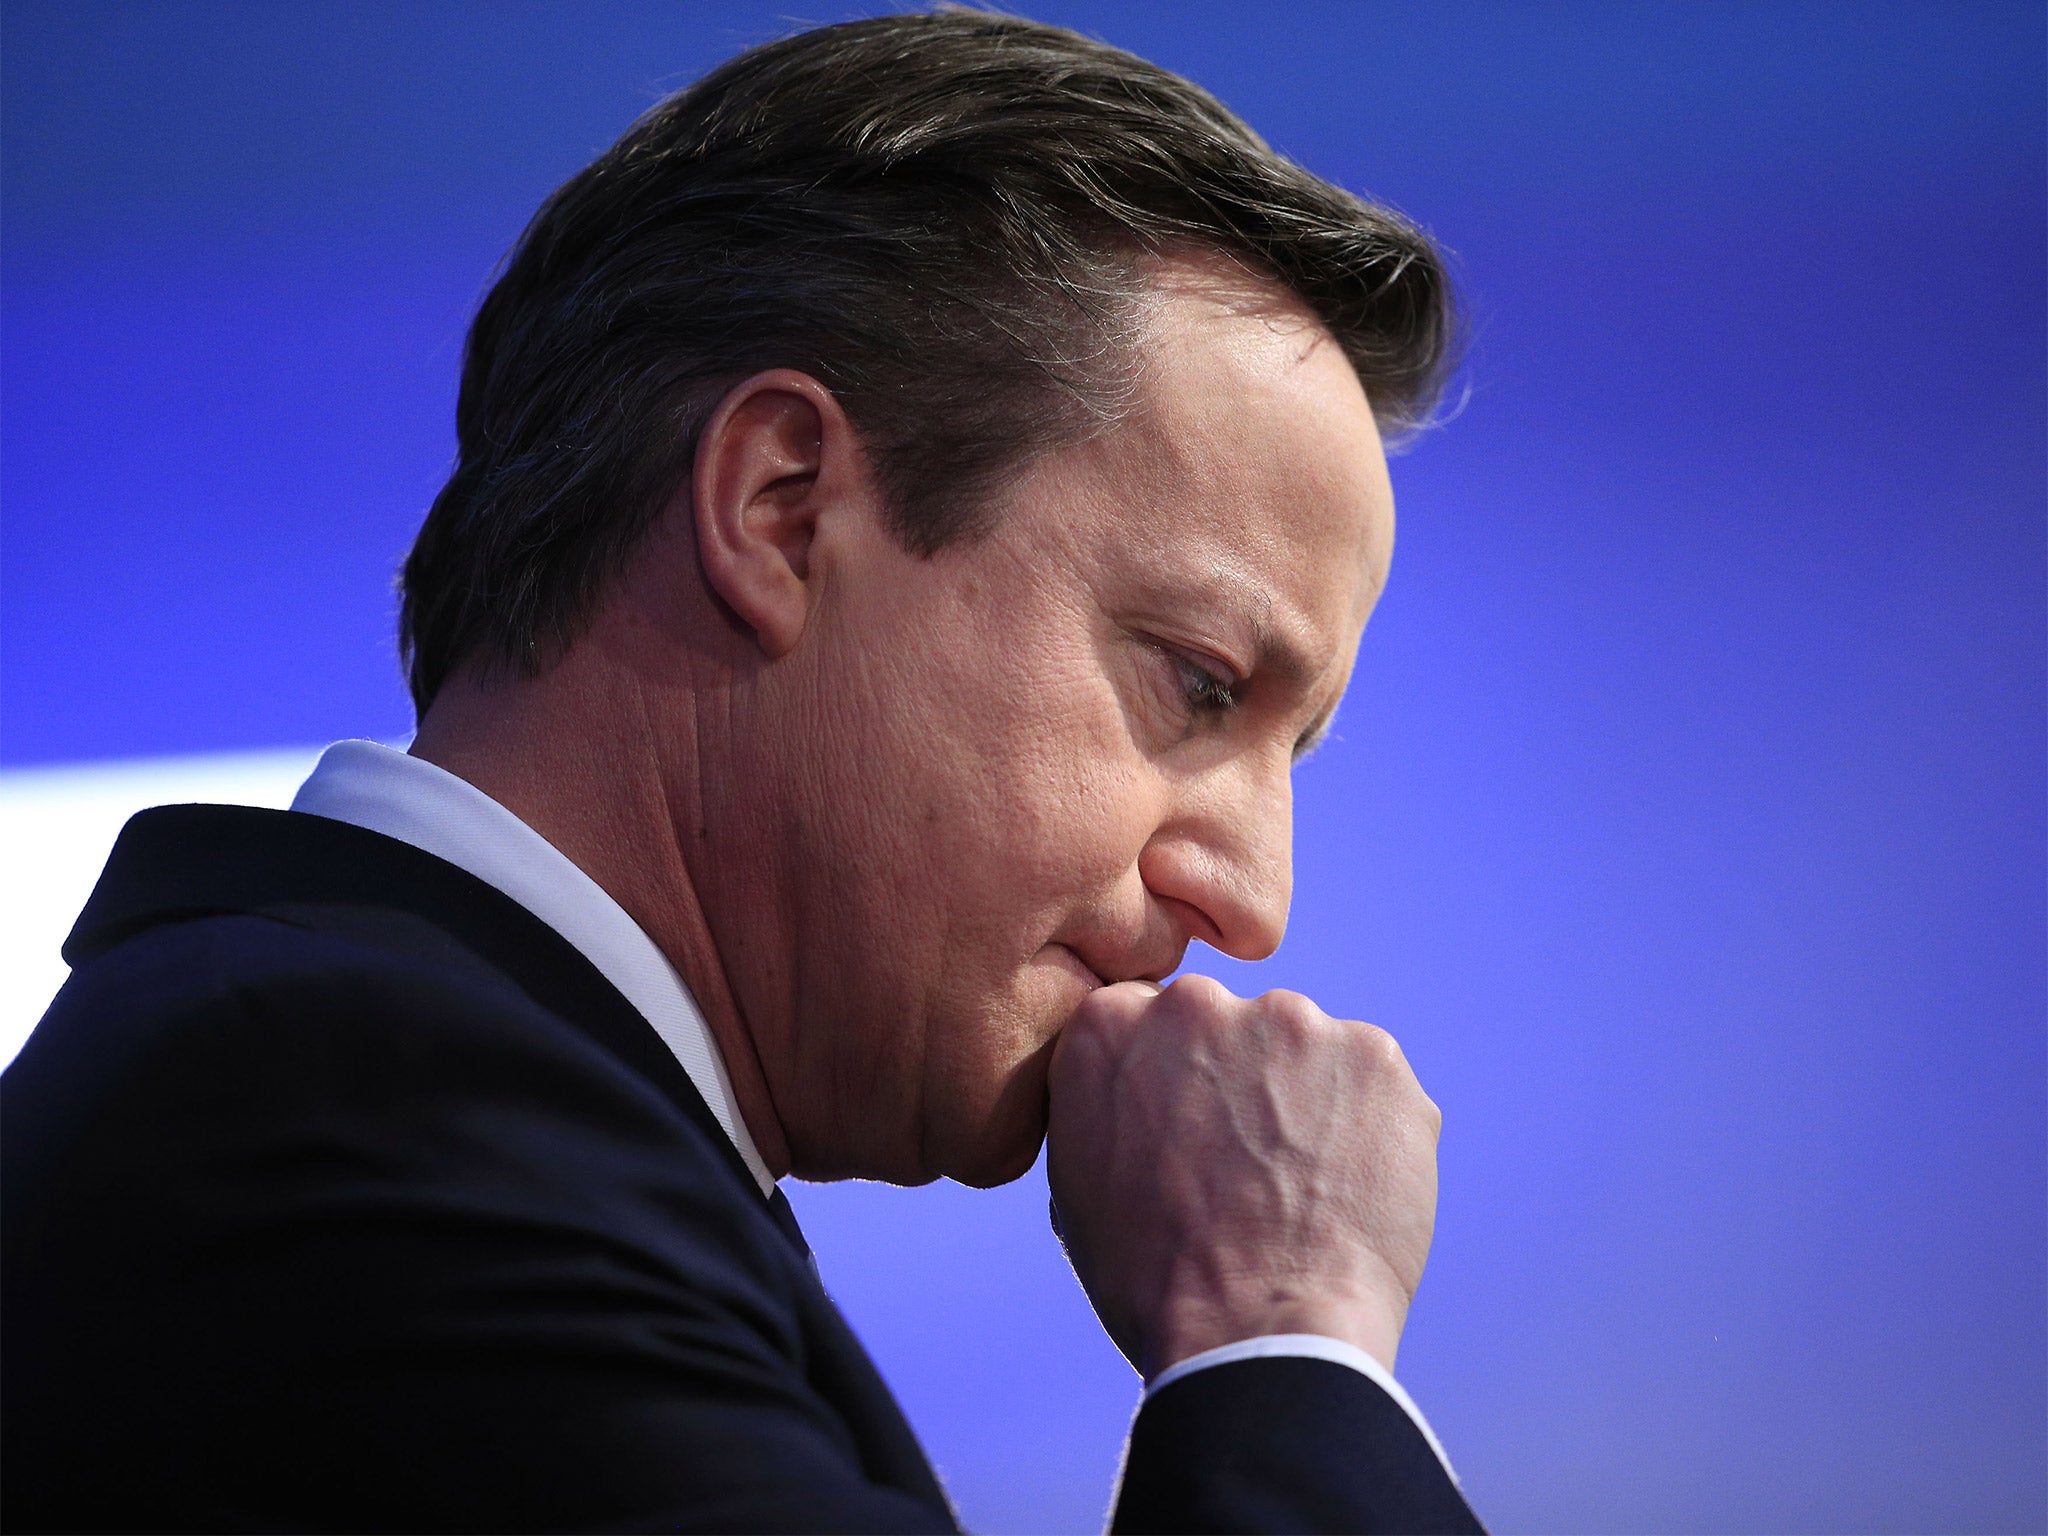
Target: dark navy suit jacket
x=341, y=1193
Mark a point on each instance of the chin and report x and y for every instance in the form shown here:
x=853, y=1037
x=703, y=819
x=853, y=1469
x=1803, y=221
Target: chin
x=984, y=1131
x=981, y=1156
x=1002, y=1164
x=978, y=1116
x=989, y=1131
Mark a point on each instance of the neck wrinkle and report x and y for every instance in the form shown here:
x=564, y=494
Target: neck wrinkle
x=693, y=948
x=583, y=767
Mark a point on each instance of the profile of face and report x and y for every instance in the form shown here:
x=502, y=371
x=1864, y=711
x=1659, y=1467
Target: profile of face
x=1052, y=755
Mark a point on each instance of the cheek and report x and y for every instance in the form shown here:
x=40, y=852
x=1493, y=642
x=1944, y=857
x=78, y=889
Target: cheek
x=972, y=778
x=977, y=791
x=1047, y=803
x=994, y=714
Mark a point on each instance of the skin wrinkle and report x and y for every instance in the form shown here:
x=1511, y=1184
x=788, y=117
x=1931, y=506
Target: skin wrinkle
x=891, y=830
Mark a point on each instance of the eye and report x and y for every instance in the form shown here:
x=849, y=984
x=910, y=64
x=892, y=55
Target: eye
x=1205, y=692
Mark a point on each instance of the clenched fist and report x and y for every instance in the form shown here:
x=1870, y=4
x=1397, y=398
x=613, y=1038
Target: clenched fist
x=1227, y=1167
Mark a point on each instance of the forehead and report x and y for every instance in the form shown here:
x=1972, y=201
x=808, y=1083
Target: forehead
x=1249, y=468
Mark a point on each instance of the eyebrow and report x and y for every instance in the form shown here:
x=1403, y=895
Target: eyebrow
x=1274, y=653
x=1318, y=733
x=1278, y=656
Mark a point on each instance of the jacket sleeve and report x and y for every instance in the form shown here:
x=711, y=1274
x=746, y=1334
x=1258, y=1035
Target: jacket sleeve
x=357, y=1249
x=1283, y=1444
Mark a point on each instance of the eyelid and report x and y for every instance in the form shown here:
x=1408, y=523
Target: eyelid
x=1210, y=687
x=1225, y=672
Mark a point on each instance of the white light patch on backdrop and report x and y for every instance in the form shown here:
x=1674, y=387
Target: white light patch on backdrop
x=57, y=826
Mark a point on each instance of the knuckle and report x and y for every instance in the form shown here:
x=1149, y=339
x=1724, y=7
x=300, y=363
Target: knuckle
x=1092, y=1014
x=1100, y=1017
x=1381, y=1050
x=1289, y=1004
x=1125, y=997
x=1203, y=992
x=1072, y=1049
x=1292, y=1015
x=1122, y=1001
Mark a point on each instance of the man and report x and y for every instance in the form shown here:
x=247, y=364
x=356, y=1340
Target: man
x=919, y=492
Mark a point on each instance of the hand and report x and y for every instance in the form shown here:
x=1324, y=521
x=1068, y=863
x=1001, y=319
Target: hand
x=1224, y=1168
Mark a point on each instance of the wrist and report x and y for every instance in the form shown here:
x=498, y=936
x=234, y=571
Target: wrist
x=1371, y=1323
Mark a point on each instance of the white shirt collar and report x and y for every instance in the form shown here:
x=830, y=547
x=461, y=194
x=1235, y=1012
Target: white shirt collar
x=405, y=797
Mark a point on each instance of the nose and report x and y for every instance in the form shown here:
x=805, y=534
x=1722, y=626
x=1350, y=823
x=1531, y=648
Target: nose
x=1223, y=860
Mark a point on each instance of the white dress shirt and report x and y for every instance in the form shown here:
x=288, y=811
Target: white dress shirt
x=410, y=799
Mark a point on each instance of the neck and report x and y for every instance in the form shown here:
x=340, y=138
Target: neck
x=586, y=755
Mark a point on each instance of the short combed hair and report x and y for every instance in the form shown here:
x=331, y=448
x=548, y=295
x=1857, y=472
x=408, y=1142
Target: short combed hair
x=945, y=218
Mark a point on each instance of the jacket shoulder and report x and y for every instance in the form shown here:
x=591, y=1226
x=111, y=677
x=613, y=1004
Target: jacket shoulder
x=240, y=1041
x=303, y=1206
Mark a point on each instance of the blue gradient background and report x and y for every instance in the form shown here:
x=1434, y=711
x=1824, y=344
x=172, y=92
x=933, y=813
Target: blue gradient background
x=1686, y=818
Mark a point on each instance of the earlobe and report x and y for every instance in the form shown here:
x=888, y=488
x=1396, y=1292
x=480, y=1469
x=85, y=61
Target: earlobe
x=767, y=467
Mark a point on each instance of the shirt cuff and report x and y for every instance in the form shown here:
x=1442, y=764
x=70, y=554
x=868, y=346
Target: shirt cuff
x=1312, y=1346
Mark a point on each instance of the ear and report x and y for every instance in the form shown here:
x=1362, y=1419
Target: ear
x=777, y=454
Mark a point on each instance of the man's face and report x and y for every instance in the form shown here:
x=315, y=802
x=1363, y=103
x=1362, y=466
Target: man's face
x=1051, y=756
